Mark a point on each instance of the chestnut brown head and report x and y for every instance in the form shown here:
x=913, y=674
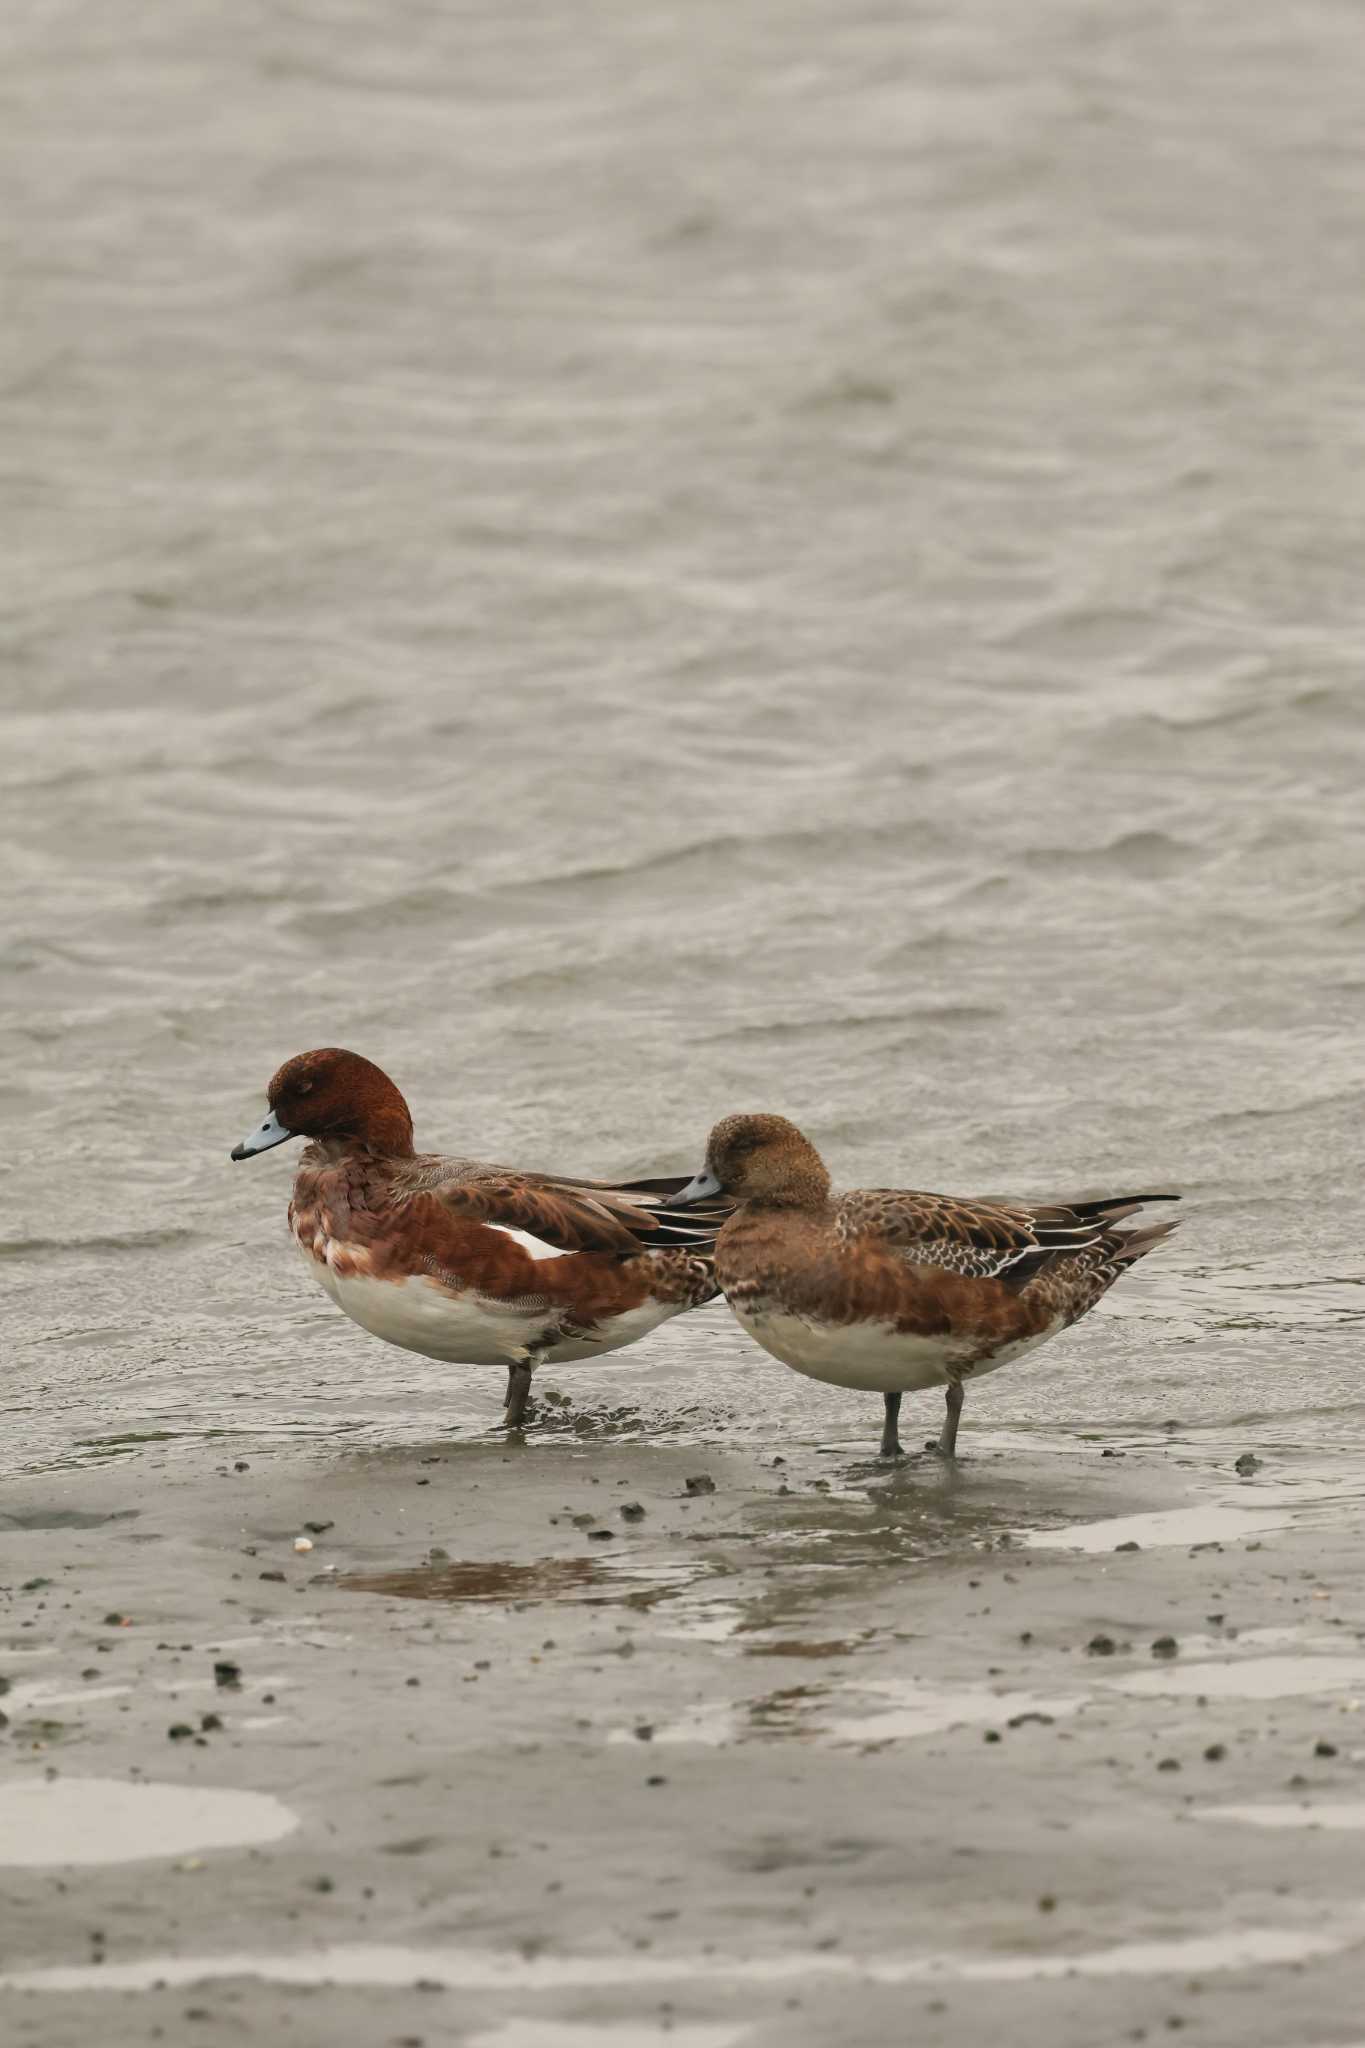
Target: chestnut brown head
x=332, y=1094
x=762, y=1159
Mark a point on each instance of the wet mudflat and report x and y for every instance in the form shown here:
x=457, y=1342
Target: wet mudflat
x=476, y=1773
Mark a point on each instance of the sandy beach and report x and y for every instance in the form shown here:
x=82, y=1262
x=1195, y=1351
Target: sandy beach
x=592, y=1739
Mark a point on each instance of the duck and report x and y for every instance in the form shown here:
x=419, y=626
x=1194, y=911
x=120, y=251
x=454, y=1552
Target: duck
x=468, y=1263
x=889, y=1290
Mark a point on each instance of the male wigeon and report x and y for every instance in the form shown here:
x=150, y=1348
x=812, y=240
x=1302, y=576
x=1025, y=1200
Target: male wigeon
x=890, y=1290
x=476, y=1265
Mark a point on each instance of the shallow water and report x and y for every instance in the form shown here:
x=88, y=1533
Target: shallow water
x=1314, y=1813
x=64, y=1821
x=1237, y=1949
x=634, y=563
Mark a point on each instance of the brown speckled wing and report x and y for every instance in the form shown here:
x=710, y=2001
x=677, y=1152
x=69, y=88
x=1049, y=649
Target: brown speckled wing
x=960, y=1236
x=1009, y=1241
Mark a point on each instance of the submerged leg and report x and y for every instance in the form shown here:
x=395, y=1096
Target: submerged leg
x=947, y=1443
x=891, y=1443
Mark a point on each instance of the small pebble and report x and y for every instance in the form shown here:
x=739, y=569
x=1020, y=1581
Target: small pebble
x=303, y=1543
x=1215, y=1753
x=1128, y=1546
x=1247, y=1464
x=1165, y=1646
x=1101, y=1646
x=318, y=1528
x=631, y=1511
x=226, y=1673
x=1168, y=1763
x=1324, y=1749
x=277, y=1576
x=701, y=1482
x=180, y=1731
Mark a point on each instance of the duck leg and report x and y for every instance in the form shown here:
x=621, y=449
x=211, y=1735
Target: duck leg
x=947, y=1443
x=891, y=1443
x=519, y=1390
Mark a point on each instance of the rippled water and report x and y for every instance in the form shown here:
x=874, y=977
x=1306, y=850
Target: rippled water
x=632, y=563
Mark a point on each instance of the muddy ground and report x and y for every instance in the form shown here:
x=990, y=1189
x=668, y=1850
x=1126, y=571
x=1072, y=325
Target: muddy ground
x=548, y=1750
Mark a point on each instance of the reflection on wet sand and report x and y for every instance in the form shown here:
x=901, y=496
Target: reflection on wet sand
x=626, y=1581
x=549, y=1578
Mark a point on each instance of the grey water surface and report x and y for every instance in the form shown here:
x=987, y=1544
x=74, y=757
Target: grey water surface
x=634, y=562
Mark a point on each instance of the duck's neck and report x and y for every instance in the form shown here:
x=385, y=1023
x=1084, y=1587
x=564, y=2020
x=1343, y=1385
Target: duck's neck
x=805, y=1189
x=383, y=1132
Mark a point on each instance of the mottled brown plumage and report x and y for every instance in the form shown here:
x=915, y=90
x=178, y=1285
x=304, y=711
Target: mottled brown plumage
x=468, y=1262
x=892, y=1289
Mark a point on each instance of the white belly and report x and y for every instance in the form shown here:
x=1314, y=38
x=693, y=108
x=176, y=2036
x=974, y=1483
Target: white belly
x=419, y=1314
x=875, y=1357
x=613, y=1333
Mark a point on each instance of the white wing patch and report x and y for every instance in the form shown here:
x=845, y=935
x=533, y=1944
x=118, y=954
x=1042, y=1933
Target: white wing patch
x=536, y=1246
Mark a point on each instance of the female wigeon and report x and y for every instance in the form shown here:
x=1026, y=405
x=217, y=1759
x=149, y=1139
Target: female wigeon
x=889, y=1290
x=476, y=1265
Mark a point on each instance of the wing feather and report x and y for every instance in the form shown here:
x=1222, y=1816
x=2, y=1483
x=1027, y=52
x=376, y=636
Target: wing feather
x=576, y=1215
x=985, y=1238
